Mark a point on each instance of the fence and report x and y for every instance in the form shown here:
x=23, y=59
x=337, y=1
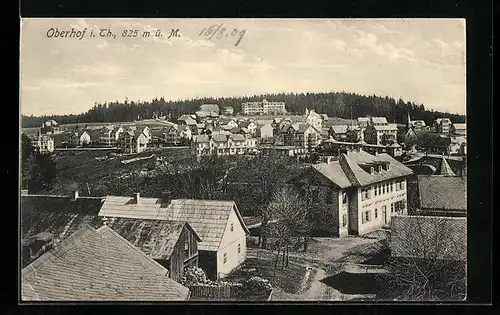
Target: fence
x=213, y=292
x=221, y=292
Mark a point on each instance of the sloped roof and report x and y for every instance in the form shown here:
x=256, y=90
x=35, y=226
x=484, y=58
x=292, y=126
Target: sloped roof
x=379, y=120
x=442, y=192
x=359, y=177
x=209, y=108
x=156, y=238
x=339, y=128
x=444, y=237
x=238, y=137
x=219, y=138
x=460, y=126
x=208, y=218
x=184, y=117
x=445, y=168
x=333, y=171
x=98, y=265
x=386, y=127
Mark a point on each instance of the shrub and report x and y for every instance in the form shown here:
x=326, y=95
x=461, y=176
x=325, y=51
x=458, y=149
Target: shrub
x=255, y=286
x=193, y=276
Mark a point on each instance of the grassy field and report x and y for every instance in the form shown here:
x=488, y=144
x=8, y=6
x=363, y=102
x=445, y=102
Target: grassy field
x=288, y=280
x=77, y=167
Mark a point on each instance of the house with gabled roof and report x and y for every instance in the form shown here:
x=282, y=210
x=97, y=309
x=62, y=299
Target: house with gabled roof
x=98, y=265
x=355, y=193
x=133, y=141
x=218, y=224
x=301, y=135
x=48, y=220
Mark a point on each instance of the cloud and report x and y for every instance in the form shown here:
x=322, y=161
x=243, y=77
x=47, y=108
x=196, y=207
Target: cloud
x=388, y=50
x=102, y=69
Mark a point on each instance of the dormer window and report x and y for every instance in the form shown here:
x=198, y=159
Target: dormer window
x=387, y=167
x=372, y=170
x=380, y=168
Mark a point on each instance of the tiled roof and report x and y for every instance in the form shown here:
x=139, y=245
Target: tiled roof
x=98, y=265
x=219, y=138
x=386, y=127
x=351, y=164
x=339, y=128
x=442, y=192
x=238, y=137
x=333, y=171
x=156, y=238
x=184, y=117
x=379, y=120
x=209, y=108
x=445, y=168
x=208, y=218
x=444, y=237
x=460, y=126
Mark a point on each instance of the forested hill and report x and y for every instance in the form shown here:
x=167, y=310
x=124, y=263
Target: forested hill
x=343, y=105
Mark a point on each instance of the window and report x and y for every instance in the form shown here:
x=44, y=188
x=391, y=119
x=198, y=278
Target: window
x=366, y=217
x=239, y=248
x=379, y=189
x=224, y=258
x=365, y=194
x=380, y=168
x=344, y=220
x=392, y=207
x=232, y=226
x=376, y=187
x=383, y=188
x=186, y=241
x=376, y=213
x=344, y=198
x=391, y=186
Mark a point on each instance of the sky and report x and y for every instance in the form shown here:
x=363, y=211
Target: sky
x=419, y=60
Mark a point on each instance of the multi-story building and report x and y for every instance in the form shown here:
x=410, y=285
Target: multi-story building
x=263, y=108
x=228, y=110
x=314, y=119
x=43, y=143
x=301, y=135
x=442, y=125
x=222, y=144
x=379, y=132
x=355, y=193
x=133, y=142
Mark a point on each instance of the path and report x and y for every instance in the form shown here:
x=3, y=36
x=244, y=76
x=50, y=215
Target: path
x=322, y=254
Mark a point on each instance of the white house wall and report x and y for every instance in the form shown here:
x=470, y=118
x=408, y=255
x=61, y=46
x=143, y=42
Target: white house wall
x=229, y=246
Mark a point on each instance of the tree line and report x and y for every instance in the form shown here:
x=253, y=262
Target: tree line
x=334, y=104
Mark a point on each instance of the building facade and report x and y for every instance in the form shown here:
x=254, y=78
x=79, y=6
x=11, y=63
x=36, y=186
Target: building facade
x=263, y=108
x=43, y=143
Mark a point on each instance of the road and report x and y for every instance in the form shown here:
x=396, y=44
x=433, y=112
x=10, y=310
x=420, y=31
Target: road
x=324, y=256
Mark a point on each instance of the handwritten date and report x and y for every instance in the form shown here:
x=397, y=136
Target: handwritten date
x=219, y=31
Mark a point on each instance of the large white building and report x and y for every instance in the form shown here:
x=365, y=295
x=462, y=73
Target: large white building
x=263, y=108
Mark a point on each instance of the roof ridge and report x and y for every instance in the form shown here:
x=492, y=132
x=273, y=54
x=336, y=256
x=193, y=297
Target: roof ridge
x=159, y=267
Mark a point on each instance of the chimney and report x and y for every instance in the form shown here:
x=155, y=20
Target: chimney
x=165, y=197
x=137, y=198
x=75, y=195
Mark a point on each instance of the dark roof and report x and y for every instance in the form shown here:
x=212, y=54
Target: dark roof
x=444, y=237
x=238, y=137
x=353, y=161
x=98, y=265
x=156, y=238
x=333, y=172
x=41, y=213
x=208, y=218
x=442, y=192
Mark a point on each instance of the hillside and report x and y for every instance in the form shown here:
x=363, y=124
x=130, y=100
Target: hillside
x=334, y=104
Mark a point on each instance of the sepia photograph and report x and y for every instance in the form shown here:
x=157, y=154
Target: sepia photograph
x=261, y=160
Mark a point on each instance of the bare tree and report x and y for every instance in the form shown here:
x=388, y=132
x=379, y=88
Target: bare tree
x=428, y=259
x=292, y=221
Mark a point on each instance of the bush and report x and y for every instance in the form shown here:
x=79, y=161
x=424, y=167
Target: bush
x=193, y=276
x=255, y=286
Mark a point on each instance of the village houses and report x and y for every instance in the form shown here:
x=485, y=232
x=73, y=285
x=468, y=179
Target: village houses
x=222, y=144
x=218, y=224
x=314, y=119
x=301, y=135
x=356, y=193
x=133, y=141
x=442, y=125
x=380, y=132
x=50, y=127
x=97, y=254
x=228, y=110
